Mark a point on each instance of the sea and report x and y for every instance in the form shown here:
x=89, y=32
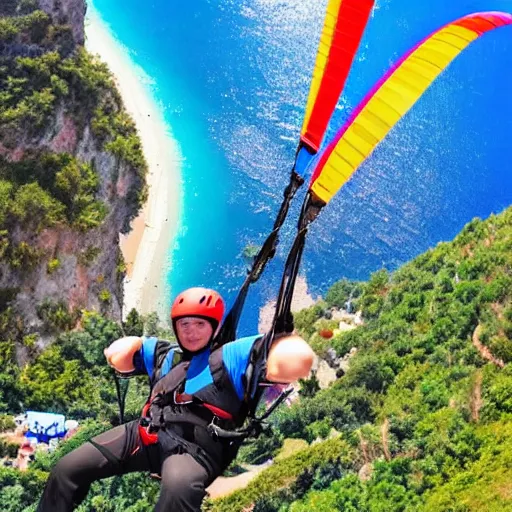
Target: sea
x=232, y=79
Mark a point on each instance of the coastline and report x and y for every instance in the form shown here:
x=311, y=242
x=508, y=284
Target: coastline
x=147, y=246
x=302, y=299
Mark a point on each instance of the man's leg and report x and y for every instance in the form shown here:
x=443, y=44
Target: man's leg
x=183, y=484
x=72, y=476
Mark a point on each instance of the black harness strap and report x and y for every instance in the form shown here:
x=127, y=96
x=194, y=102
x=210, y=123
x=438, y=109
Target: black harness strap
x=227, y=332
x=121, y=392
x=255, y=381
x=283, y=318
x=194, y=414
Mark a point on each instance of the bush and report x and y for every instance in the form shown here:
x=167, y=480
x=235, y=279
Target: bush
x=23, y=256
x=342, y=291
x=105, y=296
x=7, y=422
x=56, y=316
x=8, y=449
x=35, y=208
x=305, y=319
x=53, y=265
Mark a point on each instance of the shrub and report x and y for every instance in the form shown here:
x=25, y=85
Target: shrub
x=53, y=265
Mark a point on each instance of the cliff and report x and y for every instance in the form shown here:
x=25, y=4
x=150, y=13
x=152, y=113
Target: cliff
x=72, y=174
x=70, y=12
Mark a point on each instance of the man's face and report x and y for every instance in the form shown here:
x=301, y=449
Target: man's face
x=193, y=333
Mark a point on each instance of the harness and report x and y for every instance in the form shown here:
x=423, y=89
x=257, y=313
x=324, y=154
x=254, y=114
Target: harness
x=216, y=408
x=215, y=405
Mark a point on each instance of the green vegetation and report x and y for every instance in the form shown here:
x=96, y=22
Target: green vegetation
x=343, y=291
x=8, y=449
x=105, y=296
x=419, y=404
x=53, y=265
x=56, y=316
x=282, y=481
x=54, y=97
x=6, y=422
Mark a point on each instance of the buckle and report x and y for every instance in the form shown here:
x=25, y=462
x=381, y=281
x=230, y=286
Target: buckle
x=146, y=435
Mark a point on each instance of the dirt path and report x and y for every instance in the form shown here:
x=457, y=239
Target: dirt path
x=484, y=351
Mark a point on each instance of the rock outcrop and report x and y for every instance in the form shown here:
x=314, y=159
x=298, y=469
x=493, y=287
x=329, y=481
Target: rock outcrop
x=67, y=12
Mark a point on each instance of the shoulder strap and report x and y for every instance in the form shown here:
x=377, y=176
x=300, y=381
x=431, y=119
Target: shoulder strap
x=149, y=350
x=167, y=355
x=171, y=381
x=255, y=368
x=216, y=365
x=228, y=330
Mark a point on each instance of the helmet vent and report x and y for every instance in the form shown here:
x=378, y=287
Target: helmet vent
x=181, y=300
x=203, y=298
x=209, y=300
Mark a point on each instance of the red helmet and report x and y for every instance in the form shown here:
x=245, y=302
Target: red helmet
x=201, y=302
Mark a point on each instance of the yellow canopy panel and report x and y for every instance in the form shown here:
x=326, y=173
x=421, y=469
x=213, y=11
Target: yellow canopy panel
x=392, y=98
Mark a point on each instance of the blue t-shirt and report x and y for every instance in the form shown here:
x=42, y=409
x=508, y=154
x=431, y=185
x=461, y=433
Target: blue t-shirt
x=235, y=356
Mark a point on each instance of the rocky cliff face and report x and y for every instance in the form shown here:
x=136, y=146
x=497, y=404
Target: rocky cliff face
x=69, y=12
x=82, y=270
x=88, y=262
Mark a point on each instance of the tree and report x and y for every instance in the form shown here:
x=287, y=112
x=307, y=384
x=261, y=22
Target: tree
x=134, y=325
x=5, y=200
x=35, y=208
x=309, y=387
x=339, y=293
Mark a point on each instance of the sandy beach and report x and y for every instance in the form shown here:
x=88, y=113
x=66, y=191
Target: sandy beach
x=147, y=247
x=301, y=299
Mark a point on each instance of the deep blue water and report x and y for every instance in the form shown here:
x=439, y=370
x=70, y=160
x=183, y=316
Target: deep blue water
x=233, y=78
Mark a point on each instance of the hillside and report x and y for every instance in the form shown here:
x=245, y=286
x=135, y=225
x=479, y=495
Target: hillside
x=424, y=410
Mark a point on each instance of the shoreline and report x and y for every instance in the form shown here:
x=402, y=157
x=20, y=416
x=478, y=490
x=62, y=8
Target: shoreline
x=146, y=247
x=302, y=299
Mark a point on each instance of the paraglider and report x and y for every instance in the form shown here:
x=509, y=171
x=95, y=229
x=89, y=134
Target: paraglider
x=344, y=25
x=214, y=415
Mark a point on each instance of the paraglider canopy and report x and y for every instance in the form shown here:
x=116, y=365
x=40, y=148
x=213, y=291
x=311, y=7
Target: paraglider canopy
x=393, y=96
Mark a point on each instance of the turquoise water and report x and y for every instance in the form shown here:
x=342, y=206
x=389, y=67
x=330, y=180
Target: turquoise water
x=233, y=77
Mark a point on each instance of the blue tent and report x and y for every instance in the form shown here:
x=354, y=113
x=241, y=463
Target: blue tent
x=44, y=426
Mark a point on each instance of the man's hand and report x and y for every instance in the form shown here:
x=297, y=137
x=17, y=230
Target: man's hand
x=120, y=353
x=290, y=358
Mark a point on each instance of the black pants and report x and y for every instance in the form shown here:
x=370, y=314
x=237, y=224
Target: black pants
x=183, y=479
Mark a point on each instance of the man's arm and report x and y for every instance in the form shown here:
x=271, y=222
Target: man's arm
x=290, y=358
